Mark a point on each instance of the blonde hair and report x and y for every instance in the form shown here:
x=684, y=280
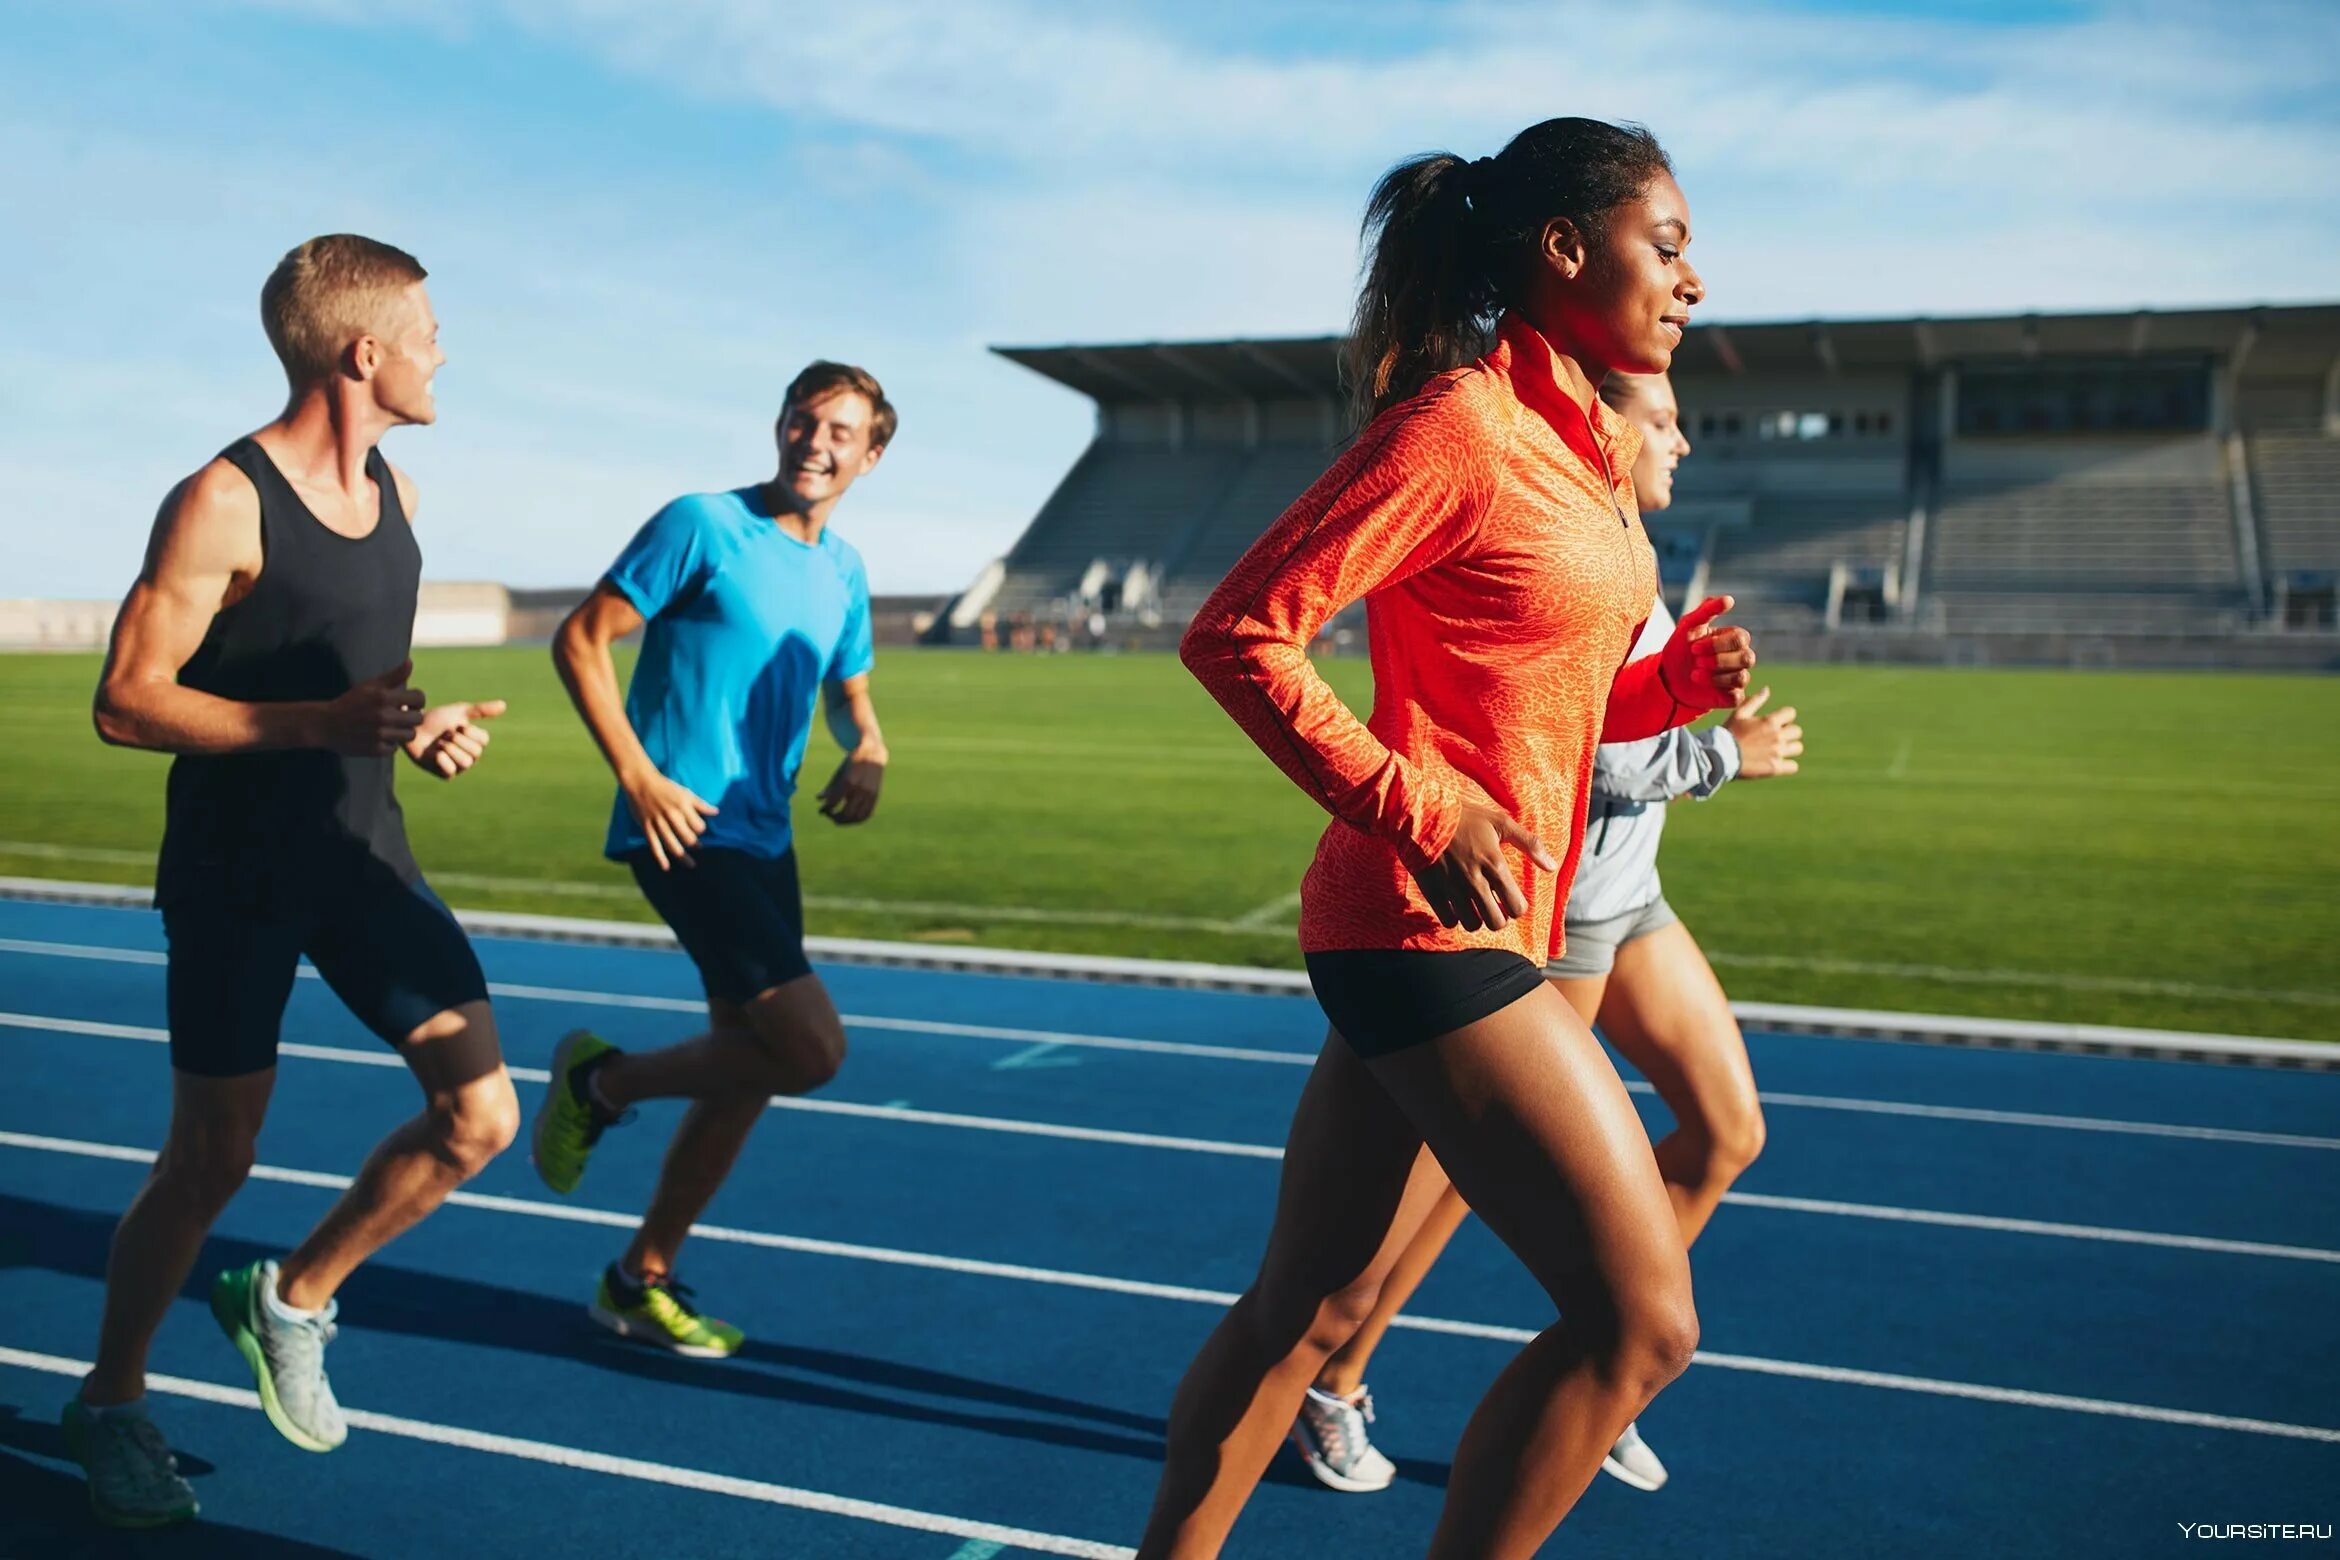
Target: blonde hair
x=1619, y=389
x=327, y=292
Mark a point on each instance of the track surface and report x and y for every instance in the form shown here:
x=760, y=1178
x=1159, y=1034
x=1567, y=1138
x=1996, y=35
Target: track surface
x=1971, y=1302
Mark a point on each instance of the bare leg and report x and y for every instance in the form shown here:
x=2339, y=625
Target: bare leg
x=214, y=1124
x=1529, y=1117
x=469, y=1116
x=788, y=1040
x=1667, y=1014
x=1525, y=1110
x=1355, y=1185
x=1345, y=1372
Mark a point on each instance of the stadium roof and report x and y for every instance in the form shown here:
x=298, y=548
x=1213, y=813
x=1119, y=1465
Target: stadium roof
x=2270, y=341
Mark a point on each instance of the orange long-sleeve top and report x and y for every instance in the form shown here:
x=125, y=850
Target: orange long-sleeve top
x=1489, y=524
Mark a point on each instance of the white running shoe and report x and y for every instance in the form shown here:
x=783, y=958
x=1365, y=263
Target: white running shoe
x=1330, y=1434
x=1632, y=1461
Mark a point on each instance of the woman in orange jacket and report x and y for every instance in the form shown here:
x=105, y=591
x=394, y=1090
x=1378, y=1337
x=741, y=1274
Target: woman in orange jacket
x=1486, y=515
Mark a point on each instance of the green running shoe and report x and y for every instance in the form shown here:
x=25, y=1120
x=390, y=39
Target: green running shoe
x=567, y=1124
x=287, y=1356
x=661, y=1312
x=133, y=1478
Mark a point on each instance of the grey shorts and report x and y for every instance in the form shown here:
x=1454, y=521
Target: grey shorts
x=1592, y=945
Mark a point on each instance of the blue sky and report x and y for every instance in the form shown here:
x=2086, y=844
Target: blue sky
x=640, y=219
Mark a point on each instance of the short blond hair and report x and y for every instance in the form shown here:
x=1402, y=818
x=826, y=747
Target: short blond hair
x=327, y=292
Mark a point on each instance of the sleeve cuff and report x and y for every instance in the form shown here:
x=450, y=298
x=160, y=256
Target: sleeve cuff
x=1726, y=749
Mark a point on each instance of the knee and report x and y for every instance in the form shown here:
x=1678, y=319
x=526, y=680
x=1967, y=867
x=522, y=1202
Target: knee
x=1314, y=1319
x=477, y=1123
x=1657, y=1337
x=208, y=1168
x=1737, y=1136
x=798, y=1060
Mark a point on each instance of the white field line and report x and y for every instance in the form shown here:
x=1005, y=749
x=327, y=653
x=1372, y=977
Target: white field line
x=1224, y=1149
x=1272, y=919
x=528, y=1207
x=620, y=1467
x=1276, y=914
x=629, y=1000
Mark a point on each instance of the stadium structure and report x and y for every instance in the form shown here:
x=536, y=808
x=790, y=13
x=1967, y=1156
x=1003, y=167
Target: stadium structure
x=2153, y=487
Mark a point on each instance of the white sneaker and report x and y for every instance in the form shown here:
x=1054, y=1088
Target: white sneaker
x=1632, y=1461
x=1330, y=1434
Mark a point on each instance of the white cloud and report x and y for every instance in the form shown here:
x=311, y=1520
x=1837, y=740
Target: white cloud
x=922, y=179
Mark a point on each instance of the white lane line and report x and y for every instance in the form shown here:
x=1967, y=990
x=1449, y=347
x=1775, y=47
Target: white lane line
x=1974, y=1391
x=1262, y=1151
x=1257, y=923
x=570, y=889
x=1983, y=1221
x=619, y=1467
x=654, y=1004
x=1770, y=1098
x=2025, y=1118
x=2054, y=980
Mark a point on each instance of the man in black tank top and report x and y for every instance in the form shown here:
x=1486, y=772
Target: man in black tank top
x=266, y=644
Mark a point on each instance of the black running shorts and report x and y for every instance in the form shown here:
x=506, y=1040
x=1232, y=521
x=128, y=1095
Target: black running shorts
x=739, y=916
x=387, y=945
x=1385, y=999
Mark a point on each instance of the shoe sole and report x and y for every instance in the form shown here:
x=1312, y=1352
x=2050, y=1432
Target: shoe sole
x=247, y=1342
x=114, y=1517
x=1326, y=1476
x=1624, y=1475
x=544, y=1114
x=655, y=1336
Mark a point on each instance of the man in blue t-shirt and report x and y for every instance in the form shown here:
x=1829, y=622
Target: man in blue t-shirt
x=755, y=611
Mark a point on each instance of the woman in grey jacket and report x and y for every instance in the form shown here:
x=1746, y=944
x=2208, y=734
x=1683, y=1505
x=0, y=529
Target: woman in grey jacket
x=1631, y=966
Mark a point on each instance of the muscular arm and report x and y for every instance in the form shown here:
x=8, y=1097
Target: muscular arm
x=205, y=549
x=589, y=671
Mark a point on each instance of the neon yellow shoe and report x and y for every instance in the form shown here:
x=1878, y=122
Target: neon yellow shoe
x=567, y=1124
x=660, y=1312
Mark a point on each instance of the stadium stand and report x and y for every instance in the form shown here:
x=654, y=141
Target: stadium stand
x=2149, y=487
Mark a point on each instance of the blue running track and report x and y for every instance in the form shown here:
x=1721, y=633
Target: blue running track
x=1969, y=1303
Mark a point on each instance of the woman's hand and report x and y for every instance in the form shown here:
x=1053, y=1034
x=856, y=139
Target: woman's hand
x=1471, y=886
x=1706, y=666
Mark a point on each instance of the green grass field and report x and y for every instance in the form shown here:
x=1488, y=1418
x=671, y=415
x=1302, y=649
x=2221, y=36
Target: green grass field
x=2102, y=848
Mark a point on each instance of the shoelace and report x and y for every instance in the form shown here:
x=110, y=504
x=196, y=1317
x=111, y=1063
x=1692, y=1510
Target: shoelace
x=144, y=1435
x=676, y=1290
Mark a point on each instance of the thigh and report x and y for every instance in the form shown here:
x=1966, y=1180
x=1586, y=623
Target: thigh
x=1525, y=1112
x=1356, y=1183
x=740, y=917
x=394, y=954
x=230, y=974
x=1666, y=1014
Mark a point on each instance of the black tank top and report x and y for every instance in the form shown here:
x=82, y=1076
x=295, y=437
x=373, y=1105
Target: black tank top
x=327, y=612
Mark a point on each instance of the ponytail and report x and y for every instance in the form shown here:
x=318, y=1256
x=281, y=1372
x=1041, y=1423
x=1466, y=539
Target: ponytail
x=1452, y=243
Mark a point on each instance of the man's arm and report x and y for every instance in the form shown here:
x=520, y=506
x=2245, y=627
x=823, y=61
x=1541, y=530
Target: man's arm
x=852, y=793
x=206, y=542
x=672, y=818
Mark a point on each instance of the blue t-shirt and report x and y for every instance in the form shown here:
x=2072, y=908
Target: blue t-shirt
x=745, y=624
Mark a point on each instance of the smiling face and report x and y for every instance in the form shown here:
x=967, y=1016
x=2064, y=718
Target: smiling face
x=403, y=349
x=826, y=444
x=1620, y=299
x=1647, y=402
